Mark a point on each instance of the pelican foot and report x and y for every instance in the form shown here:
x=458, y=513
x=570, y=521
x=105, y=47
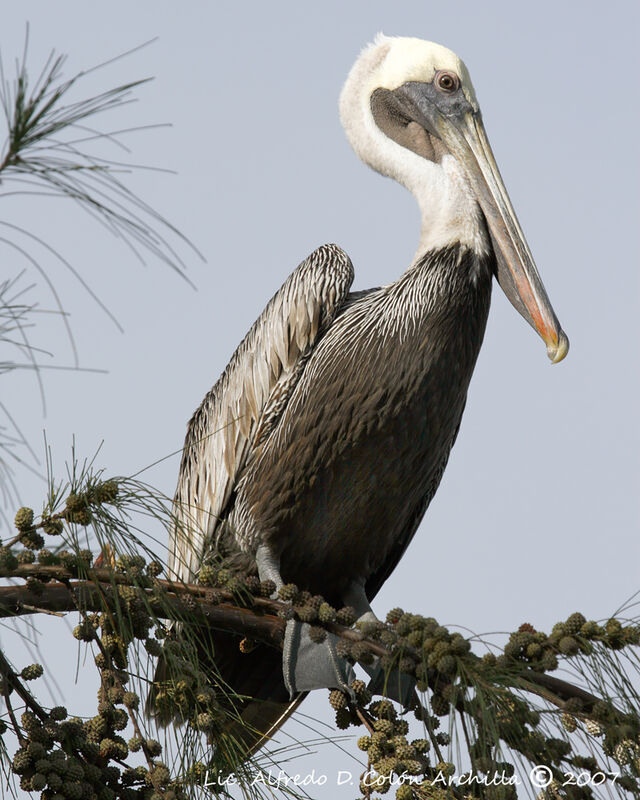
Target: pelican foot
x=308, y=665
x=395, y=685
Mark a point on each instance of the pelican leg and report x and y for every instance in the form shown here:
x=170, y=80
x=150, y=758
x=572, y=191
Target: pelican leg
x=306, y=665
x=356, y=597
x=395, y=685
x=268, y=566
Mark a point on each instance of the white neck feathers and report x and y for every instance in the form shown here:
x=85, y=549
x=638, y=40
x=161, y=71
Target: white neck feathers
x=449, y=213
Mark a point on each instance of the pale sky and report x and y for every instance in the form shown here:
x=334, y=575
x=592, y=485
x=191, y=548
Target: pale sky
x=537, y=514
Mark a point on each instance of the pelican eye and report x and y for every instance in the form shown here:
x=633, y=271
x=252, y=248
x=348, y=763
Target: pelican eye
x=447, y=82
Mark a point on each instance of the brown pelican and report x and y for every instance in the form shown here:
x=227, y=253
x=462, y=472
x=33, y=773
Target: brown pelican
x=315, y=456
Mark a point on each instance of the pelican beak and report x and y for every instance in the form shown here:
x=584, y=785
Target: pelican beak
x=458, y=125
x=464, y=136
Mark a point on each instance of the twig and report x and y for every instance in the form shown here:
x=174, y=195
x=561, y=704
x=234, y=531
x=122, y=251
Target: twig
x=36, y=610
x=563, y=690
x=364, y=719
x=13, y=680
x=16, y=728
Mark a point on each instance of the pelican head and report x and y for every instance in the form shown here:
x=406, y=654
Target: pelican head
x=410, y=112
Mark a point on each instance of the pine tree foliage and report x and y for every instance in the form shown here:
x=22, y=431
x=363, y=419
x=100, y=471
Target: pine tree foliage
x=494, y=715
x=559, y=707
x=52, y=149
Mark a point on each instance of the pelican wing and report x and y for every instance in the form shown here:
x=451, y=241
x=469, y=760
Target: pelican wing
x=249, y=397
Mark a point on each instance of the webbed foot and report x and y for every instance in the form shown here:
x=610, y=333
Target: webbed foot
x=306, y=664
x=311, y=665
x=394, y=684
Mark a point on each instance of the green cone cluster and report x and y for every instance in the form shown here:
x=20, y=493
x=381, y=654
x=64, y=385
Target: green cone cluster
x=63, y=757
x=67, y=759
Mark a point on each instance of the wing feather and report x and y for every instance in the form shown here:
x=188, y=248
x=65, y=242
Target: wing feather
x=248, y=397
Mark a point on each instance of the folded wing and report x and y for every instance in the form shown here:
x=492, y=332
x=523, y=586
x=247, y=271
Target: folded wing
x=249, y=397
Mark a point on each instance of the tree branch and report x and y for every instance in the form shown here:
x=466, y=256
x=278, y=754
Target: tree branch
x=260, y=622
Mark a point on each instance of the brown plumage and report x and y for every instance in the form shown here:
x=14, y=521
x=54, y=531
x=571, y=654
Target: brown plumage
x=360, y=447
x=325, y=439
